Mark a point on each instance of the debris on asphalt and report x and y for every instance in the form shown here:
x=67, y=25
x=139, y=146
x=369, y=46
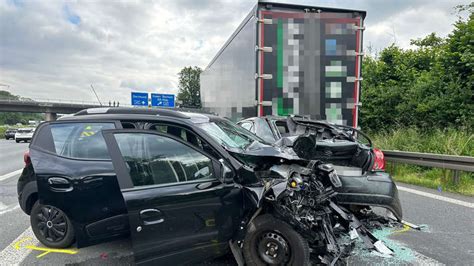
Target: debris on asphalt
x=414, y=226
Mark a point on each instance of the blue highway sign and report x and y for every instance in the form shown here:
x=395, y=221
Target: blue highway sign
x=162, y=100
x=140, y=98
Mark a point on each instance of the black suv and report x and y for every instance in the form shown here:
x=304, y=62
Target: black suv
x=10, y=133
x=184, y=186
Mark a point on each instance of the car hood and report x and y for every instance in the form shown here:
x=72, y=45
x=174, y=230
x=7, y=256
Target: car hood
x=374, y=189
x=259, y=153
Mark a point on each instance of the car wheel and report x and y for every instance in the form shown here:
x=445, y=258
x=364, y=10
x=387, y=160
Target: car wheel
x=17, y=141
x=270, y=241
x=51, y=226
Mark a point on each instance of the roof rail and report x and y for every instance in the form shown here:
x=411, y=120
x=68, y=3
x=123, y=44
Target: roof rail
x=137, y=111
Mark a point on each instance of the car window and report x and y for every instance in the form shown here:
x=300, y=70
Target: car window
x=247, y=125
x=282, y=127
x=263, y=130
x=172, y=130
x=80, y=140
x=153, y=160
x=185, y=135
x=229, y=134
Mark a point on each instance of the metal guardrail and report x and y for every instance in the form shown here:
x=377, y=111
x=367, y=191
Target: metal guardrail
x=453, y=162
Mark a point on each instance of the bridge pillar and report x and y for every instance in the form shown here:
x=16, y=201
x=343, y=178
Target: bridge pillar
x=50, y=116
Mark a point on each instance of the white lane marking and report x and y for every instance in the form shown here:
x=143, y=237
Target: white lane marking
x=424, y=260
x=437, y=197
x=12, y=256
x=9, y=209
x=12, y=174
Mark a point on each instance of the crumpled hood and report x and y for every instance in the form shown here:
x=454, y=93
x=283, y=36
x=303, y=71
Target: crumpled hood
x=259, y=152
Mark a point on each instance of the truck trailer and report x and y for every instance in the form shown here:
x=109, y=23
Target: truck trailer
x=286, y=59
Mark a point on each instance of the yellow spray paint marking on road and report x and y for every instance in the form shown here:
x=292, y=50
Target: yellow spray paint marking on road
x=405, y=229
x=18, y=246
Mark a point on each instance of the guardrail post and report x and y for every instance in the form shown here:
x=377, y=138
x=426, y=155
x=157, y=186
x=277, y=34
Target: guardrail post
x=392, y=166
x=456, y=177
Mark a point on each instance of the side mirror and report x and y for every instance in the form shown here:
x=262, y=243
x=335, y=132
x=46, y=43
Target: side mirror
x=226, y=174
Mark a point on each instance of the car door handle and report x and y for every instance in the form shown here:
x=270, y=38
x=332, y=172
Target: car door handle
x=203, y=186
x=59, y=184
x=151, y=216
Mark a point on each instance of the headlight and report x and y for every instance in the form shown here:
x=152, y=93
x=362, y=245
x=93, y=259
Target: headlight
x=335, y=180
x=295, y=182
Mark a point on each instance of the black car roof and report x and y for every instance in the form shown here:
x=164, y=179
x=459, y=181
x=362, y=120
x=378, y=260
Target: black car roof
x=130, y=113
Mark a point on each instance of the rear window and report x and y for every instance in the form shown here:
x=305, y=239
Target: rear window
x=80, y=140
x=24, y=130
x=282, y=127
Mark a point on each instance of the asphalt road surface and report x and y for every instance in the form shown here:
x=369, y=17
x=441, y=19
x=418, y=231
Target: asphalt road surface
x=11, y=155
x=447, y=236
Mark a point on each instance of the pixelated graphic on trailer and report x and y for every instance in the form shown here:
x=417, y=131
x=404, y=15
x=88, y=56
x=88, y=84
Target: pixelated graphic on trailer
x=314, y=65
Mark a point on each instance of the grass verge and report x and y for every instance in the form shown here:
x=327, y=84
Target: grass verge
x=448, y=141
x=436, y=178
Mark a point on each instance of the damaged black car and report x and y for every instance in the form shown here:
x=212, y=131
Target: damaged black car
x=186, y=187
x=359, y=165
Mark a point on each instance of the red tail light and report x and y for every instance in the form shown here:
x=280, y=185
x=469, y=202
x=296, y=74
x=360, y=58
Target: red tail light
x=26, y=158
x=379, y=162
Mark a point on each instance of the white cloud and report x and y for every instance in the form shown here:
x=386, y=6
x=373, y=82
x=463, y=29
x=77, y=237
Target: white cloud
x=55, y=49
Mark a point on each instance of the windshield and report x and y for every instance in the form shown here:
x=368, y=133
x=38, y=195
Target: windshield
x=229, y=135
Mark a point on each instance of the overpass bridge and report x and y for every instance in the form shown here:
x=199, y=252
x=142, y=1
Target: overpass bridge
x=50, y=107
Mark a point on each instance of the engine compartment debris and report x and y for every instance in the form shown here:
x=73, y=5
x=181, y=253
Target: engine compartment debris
x=304, y=197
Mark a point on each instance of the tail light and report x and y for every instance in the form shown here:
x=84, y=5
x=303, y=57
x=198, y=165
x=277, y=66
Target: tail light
x=26, y=158
x=379, y=162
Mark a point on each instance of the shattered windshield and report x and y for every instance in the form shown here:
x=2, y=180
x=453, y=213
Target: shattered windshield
x=229, y=135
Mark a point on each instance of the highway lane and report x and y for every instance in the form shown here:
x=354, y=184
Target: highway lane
x=449, y=236
x=448, y=239
x=11, y=155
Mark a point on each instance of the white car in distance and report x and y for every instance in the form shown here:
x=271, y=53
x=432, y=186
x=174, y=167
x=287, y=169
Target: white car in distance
x=24, y=134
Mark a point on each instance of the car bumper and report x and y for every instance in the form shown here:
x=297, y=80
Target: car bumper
x=374, y=189
x=23, y=138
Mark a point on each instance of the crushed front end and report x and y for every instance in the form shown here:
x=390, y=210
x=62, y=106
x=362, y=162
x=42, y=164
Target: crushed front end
x=280, y=184
x=305, y=198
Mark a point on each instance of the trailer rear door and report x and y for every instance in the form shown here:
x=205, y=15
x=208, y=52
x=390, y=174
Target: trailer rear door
x=314, y=64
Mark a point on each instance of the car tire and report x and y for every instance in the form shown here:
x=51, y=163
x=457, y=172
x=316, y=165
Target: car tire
x=51, y=226
x=270, y=241
x=17, y=141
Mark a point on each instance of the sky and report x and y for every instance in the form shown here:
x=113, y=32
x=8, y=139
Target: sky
x=57, y=49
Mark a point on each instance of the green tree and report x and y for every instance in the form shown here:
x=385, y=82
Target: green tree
x=11, y=118
x=189, y=87
x=428, y=87
x=7, y=95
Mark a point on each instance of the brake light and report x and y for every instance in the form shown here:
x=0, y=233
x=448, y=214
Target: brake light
x=26, y=158
x=379, y=161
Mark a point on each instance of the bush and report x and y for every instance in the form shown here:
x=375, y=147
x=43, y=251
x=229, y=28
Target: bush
x=431, y=86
